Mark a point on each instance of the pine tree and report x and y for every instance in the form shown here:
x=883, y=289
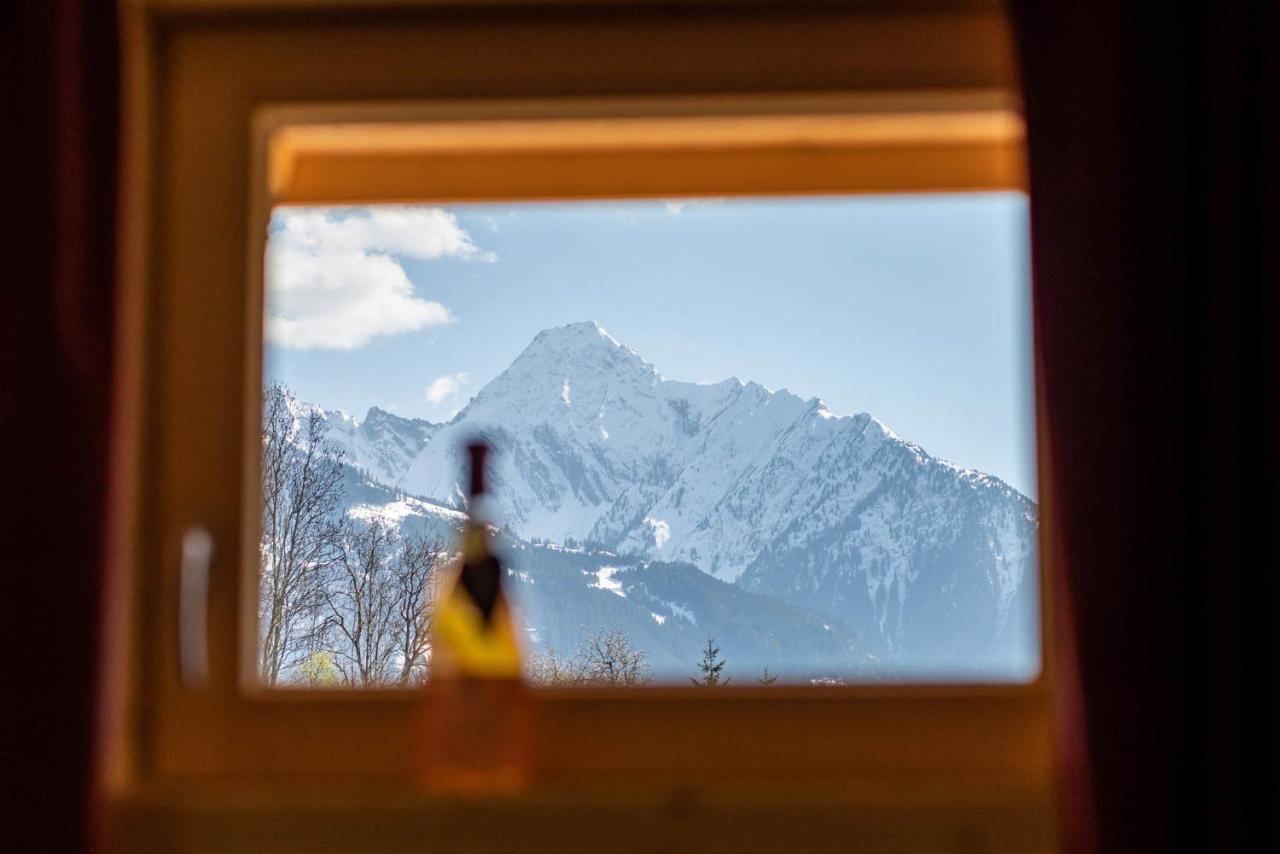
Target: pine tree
x=710, y=666
x=767, y=678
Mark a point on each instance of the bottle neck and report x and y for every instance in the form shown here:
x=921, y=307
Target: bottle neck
x=475, y=536
x=475, y=541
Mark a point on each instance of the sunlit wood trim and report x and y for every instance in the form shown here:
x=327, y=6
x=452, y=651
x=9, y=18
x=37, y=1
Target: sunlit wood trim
x=860, y=144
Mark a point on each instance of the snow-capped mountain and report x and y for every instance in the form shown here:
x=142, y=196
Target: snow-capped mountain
x=382, y=444
x=923, y=563
x=756, y=487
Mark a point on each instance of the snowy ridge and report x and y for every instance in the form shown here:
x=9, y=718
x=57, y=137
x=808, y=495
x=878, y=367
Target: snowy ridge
x=382, y=444
x=395, y=512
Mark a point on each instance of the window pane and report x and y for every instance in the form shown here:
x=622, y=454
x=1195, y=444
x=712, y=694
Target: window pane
x=790, y=436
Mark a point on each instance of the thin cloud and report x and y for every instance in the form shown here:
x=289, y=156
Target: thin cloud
x=675, y=207
x=335, y=280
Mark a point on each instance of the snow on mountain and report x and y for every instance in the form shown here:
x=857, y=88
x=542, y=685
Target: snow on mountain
x=400, y=508
x=927, y=562
x=575, y=420
x=382, y=444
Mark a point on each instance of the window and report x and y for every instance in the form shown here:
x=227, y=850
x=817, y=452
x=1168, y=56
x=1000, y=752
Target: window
x=677, y=502
x=245, y=109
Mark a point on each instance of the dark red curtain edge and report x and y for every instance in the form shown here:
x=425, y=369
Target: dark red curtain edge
x=1153, y=143
x=60, y=90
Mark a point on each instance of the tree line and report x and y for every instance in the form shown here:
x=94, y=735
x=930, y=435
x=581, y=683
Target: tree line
x=607, y=657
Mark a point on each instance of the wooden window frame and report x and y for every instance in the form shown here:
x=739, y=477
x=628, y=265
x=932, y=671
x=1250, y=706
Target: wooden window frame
x=235, y=107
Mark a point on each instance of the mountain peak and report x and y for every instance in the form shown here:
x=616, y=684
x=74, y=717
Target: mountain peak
x=586, y=332
x=562, y=370
x=585, y=345
x=377, y=414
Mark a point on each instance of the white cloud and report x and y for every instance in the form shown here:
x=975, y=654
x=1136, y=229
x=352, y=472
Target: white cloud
x=445, y=387
x=335, y=281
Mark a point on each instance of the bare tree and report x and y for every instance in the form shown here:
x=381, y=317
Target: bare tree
x=610, y=659
x=360, y=618
x=766, y=679
x=548, y=668
x=415, y=582
x=301, y=491
x=604, y=657
x=378, y=604
x=710, y=666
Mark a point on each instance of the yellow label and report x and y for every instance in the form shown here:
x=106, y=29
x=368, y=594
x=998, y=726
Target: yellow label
x=465, y=645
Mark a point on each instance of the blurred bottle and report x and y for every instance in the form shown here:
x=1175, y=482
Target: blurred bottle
x=477, y=715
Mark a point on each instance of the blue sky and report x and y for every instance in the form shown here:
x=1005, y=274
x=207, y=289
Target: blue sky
x=913, y=308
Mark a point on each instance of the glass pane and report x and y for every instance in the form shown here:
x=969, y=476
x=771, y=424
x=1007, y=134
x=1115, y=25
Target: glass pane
x=790, y=436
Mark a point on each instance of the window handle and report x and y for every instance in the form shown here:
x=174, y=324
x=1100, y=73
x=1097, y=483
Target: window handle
x=193, y=606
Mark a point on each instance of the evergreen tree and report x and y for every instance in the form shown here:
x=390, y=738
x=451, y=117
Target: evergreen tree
x=767, y=678
x=710, y=666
